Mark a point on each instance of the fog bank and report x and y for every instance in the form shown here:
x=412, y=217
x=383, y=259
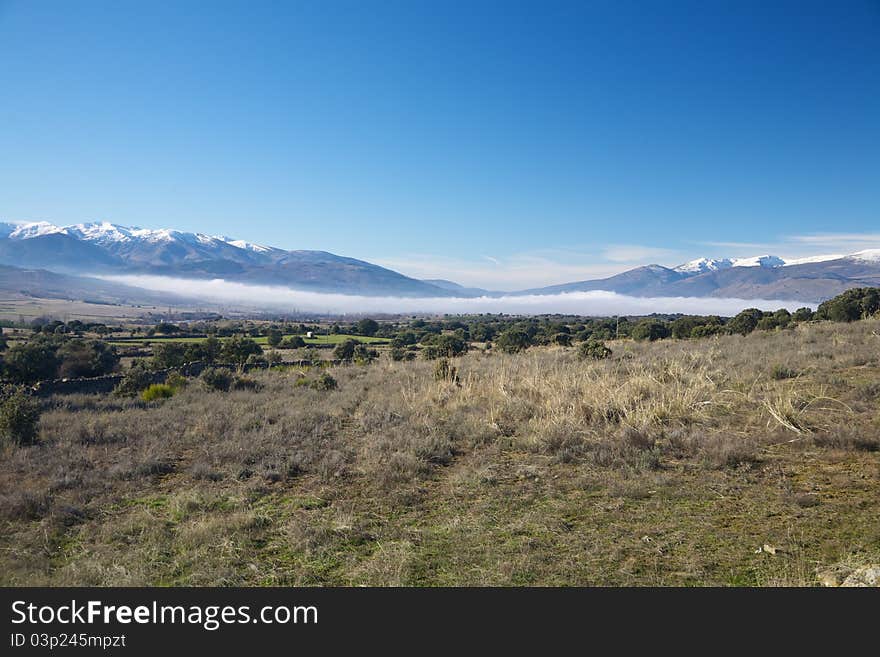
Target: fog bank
x=276, y=298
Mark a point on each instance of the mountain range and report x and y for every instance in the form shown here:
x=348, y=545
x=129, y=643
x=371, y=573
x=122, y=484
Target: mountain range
x=106, y=249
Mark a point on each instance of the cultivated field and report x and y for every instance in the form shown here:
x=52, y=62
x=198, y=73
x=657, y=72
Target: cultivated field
x=728, y=460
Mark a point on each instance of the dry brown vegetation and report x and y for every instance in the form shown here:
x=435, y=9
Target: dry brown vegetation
x=669, y=463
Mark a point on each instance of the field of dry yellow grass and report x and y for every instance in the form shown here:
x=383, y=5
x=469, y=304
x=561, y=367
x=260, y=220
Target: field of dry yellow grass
x=725, y=461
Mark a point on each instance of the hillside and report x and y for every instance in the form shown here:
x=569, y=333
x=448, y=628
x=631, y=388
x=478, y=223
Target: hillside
x=724, y=461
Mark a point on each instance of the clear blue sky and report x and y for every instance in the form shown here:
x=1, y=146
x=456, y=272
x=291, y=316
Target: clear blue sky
x=495, y=143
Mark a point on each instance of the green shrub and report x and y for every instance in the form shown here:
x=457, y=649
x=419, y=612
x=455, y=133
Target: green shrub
x=345, y=350
x=780, y=372
x=401, y=353
x=445, y=371
x=324, y=382
x=240, y=382
x=176, y=380
x=157, y=391
x=593, y=350
x=217, y=378
x=136, y=379
x=19, y=415
x=651, y=329
x=513, y=341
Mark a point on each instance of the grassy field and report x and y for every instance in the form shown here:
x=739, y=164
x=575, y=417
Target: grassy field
x=727, y=461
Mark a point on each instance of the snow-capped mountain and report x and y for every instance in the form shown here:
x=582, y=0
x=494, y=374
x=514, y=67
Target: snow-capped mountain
x=808, y=279
x=103, y=248
x=702, y=265
x=107, y=248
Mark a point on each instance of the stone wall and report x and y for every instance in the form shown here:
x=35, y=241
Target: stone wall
x=102, y=385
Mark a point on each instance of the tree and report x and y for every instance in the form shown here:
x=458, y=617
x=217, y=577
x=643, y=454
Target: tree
x=593, y=350
x=293, y=342
x=169, y=354
x=19, y=415
x=274, y=337
x=447, y=345
x=32, y=362
x=238, y=349
x=802, y=315
x=367, y=327
x=746, y=321
x=345, y=350
x=513, y=341
x=650, y=329
x=86, y=358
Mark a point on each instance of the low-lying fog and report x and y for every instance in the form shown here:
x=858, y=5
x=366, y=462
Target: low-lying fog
x=267, y=297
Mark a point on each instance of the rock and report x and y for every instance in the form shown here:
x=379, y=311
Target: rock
x=864, y=576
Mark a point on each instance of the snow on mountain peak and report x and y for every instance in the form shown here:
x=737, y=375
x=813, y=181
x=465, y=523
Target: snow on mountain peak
x=868, y=255
x=702, y=265
x=766, y=261
x=35, y=229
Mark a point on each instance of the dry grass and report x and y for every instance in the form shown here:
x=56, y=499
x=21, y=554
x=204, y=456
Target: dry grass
x=669, y=463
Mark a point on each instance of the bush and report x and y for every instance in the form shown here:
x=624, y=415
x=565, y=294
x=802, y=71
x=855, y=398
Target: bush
x=780, y=372
x=217, y=378
x=176, y=380
x=651, y=329
x=86, y=358
x=445, y=371
x=324, y=382
x=273, y=337
x=345, y=350
x=245, y=383
x=19, y=415
x=401, y=353
x=513, y=341
x=157, y=391
x=238, y=350
x=594, y=350
x=364, y=355
x=33, y=361
x=294, y=342
x=367, y=327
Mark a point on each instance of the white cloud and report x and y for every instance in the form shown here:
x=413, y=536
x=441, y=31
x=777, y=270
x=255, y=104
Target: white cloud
x=575, y=303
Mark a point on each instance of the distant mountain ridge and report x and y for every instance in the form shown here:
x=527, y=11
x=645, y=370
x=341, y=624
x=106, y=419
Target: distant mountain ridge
x=103, y=248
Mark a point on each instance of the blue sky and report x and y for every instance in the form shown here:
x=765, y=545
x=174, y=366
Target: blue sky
x=498, y=144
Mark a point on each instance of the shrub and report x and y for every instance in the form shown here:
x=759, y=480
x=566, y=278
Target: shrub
x=513, y=341
x=780, y=372
x=345, y=350
x=401, y=353
x=746, y=321
x=651, y=329
x=19, y=416
x=245, y=383
x=157, y=391
x=363, y=354
x=273, y=337
x=85, y=358
x=176, y=380
x=594, y=350
x=324, y=382
x=367, y=327
x=294, y=342
x=33, y=361
x=445, y=371
x=136, y=379
x=239, y=349
x=217, y=378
